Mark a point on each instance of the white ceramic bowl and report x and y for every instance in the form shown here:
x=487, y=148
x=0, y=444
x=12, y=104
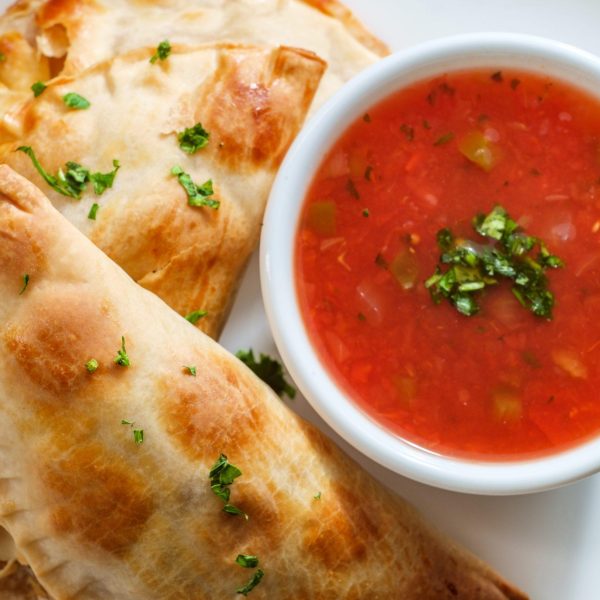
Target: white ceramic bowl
x=490, y=50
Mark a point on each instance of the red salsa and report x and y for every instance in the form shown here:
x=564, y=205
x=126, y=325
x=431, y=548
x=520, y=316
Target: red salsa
x=502, y=383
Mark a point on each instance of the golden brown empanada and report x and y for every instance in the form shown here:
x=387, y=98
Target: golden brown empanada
x=70, y=35
x=251, y=100
x=75, y=34
x=99, y=516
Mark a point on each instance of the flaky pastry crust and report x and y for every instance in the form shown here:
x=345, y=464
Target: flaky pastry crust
x=251, y=100
x=45, y=38
x=98, y=516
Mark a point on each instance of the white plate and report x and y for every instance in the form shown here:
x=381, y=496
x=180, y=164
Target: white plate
x=547, y=543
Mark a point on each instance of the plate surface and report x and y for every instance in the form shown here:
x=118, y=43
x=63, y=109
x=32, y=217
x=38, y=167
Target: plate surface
x=547, y=543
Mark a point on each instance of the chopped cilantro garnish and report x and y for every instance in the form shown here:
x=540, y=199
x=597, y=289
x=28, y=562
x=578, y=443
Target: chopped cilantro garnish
x=37, y=88
x=444, y=139
x=317, y=496
x=162, y=51
x=473, y=266
x=365, y=212
x=234, y=510
x=102, y=181
x=248, y=561
x=91, y=365
x=25, y=283
x=193, y=138
x=191, y=369
x=254, y=581
x=64, y=184
x=72, y=181
x=198, y=195
x=444, y=238
x=222, y=475
x=93, y=211
x=138, y=434
x=269, y=370
x=122, y=358
x=75, y=101
x=195, y=316
x=2, y=57
x=75, y=176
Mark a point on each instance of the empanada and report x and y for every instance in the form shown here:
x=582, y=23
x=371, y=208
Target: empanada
x=99, y=516
x=75, y=34
x=252, y=101
x=46, y=37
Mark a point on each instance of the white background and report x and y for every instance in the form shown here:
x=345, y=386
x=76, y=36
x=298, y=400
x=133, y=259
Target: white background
x=547, y=543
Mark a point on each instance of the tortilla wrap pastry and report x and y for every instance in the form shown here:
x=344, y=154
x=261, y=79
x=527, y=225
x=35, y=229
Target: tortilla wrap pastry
x=88, y=360
x=70, y=35
x=251, y=103
x=44, y=38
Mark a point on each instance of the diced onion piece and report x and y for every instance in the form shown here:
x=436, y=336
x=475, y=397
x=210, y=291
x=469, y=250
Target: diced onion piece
x=431, y=199
x=564, y=231
x=320, y=218
x=405, y=269
x=479, y=150
x=569, y=362
x=373, y=301
x=330, y=242
x=503, y=308
x=491, y=135
x=337, y=166
x=337, y=347
x=507, y=404
x=556, y=197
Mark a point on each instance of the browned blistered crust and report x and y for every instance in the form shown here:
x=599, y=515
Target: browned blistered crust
x=252, y=101
x=253, y=106
x=62, y=23
x=17, y=582
x=97, y=516
x=45, y=38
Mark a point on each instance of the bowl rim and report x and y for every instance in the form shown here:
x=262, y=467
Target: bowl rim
x=277, y=276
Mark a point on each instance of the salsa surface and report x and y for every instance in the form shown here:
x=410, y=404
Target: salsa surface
x=500, y=384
